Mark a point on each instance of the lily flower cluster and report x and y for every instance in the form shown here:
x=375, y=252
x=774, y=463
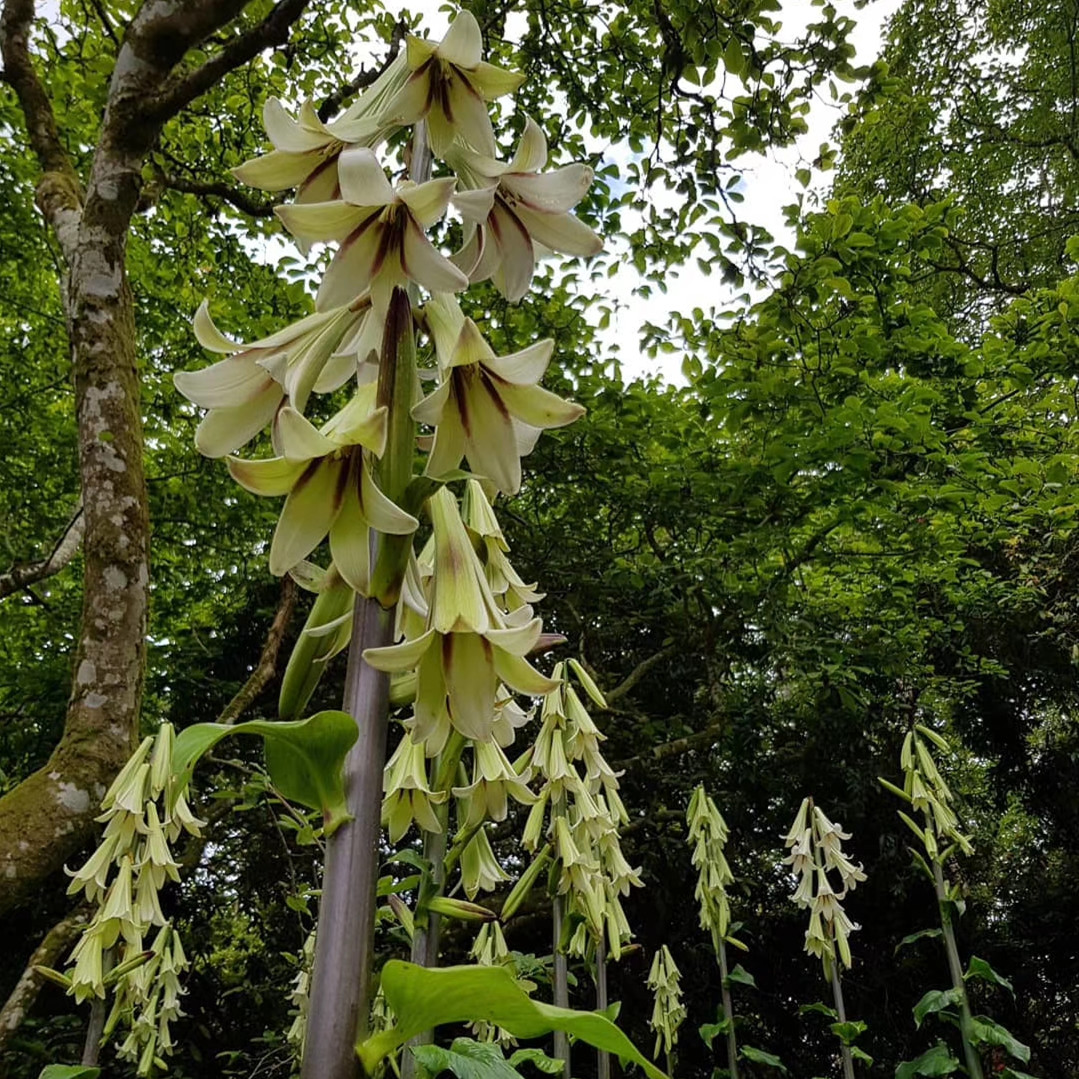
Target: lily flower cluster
x=144, y=813
x=579, y=810
x=925, y=789
x=490, y=950
x=815, y=845
x=708, y=834
x=668, y=1012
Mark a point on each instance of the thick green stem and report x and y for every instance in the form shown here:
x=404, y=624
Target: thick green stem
x=841, y=1014
x=728, y=1010
x=955, y=968
x=603, y=1060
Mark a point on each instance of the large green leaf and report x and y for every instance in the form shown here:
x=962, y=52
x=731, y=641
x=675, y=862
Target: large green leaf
x=68, y=1071
x=935, y=1061
x=936, y=1000
x=466, y=1059
x=423, y=999
x=979, y=968
x=986, y=1032
x=305, y=757
x=759, y=1056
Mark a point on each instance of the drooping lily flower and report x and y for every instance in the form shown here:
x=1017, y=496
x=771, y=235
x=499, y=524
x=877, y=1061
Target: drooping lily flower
x=306, y=149
x=318, y=354
x=450, y=85
x=487, y=408
x=510, y=209
x=408, y=797
x=493, y=779
x=469, y=645
x=382, y=232
x=329, y=486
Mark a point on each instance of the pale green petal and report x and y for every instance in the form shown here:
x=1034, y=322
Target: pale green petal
x=340, y=367
x=539, y=407
x=432, y=721
x=309, y=511
x=476, y=204
x=269, y=476
x=208, y=335
x=356, y=261
x=560, y=232
x=431, y=409
x=309, y=121
x=226, y=429
x=491, y=82
x=524, y=368
x=315, y=222
x=395, y=658
x=297, y=439
x=449, y=444
x=518, y=641
x=411, y=102
x=284, y=131
x=425, y=265
x=350, y=537
x=490, y=445
x=321, y=185
x=471, y=347
x=514, y=243
x=520, y=675
x=531, y=153
x=309, y=324
x=526, y=436
x=468, y=668
x=228, y=384
x=427, y=202
x=444, y=321
x=358, y=423
x=466, y=116
x=277, y=170
x=550, y=192
x=463, y=43
x=381, y=513
x=419, y=50
x=362, y=179
x=461, y=601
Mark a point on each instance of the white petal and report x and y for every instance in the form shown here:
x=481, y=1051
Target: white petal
x=277, y=170
x=208, y=335
x=362, y=179
x=381, y=513
x=518, y=260
x=431, y=408
x=268, y=477
x=531, y=153
x=448, y=447
x=561, y=232
x=462, y=112
x=476, y=204
x=321, y=185
x=285, y=132
x=444, y=319
x=404, y=656
x=298, y=439
x=524, y=368
x=491, y=82
x=340, y=367
x=226, y=429
x=350, y=536
x=463, y=43
x=315, y=222
x=518, y=641
x=489, y=440
x=229, y=383
x=551, y=192
x=309, y=511
x=427, y=202
x=356, y=261
x=539, y=407
x=425, y=265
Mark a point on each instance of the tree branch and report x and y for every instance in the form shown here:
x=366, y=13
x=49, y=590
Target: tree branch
x=30, y=982
x=19, y=577
x=217, y=189
x=266, y=667
x=673, y=749
x=186, y=86
x=638, y=673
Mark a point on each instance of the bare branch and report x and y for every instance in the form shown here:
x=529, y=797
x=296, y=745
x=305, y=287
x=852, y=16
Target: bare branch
x=30, y=982
x=217, y=189
x=186, y=86
x=267, y=665
x=20, y=577
x=674, y=748
x=638, y=673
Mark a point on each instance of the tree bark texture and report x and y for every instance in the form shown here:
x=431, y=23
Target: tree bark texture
x=48, y=817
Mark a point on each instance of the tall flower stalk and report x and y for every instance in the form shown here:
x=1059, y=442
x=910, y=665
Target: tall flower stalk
x=448, y=629
x=708, y=834
x=816, y=853
x=926, y=792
